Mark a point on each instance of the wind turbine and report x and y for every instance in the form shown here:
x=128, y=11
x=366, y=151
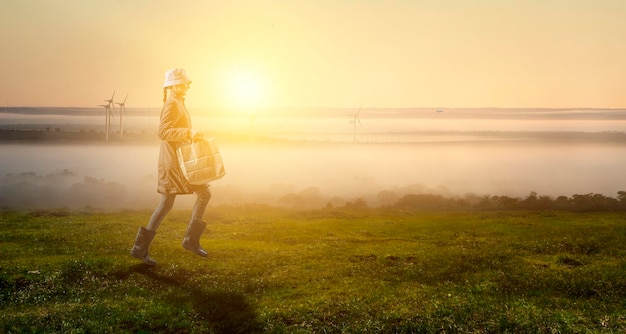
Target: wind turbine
x=355, y=119
x=108, y=114
x=122, y=112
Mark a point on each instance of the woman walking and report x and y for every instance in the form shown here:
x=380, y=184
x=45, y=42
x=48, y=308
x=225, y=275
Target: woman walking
x=174, y=130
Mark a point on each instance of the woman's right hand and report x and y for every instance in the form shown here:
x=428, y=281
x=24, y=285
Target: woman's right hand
x=196, y=136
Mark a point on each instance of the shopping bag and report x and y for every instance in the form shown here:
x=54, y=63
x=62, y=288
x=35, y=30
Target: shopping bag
x=200, y=161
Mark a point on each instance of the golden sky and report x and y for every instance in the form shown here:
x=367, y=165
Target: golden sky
x=316, y=53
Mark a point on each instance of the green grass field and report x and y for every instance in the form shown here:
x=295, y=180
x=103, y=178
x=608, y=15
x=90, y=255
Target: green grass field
x=317, y=271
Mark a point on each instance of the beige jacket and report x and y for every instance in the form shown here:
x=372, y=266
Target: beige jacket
x=174, y=130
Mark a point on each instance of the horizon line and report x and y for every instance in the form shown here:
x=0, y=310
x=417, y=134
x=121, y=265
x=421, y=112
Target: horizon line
x=321, y=107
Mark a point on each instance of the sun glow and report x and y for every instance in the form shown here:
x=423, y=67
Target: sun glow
x=244, y=89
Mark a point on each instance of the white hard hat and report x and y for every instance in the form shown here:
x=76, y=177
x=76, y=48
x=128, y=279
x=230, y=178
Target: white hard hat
x=175, y=76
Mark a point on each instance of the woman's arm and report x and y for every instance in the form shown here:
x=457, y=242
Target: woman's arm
x=169, y=126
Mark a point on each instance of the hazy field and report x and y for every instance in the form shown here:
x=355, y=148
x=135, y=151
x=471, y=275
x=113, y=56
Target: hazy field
x=311, y=154
x=350, y=270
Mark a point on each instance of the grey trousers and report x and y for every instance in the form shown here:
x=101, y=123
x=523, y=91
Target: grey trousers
x=203, y=195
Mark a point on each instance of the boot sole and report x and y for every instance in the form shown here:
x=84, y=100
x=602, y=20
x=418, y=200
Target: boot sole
x=148, y=261
x=195, y=251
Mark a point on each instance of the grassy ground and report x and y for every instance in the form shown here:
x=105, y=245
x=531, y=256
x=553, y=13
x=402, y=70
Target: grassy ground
x=321, y=271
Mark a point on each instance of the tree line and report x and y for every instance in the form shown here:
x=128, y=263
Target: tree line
x=577, y=203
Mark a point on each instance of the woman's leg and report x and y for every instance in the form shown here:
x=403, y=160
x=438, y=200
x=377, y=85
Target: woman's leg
x=146, y=235
x=165, y=205
x=196, y=225
x=203, y=196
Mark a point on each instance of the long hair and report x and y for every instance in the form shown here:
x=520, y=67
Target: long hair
x=165, y=94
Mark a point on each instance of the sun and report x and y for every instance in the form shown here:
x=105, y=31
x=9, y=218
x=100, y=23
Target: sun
x=244, y=88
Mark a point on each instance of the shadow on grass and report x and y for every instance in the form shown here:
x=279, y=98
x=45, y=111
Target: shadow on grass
x=223, y=311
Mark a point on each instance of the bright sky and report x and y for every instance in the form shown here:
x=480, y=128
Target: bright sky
x=316, y=53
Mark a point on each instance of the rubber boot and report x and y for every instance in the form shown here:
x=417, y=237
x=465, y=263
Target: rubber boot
x=192, y=238
x=142, y=243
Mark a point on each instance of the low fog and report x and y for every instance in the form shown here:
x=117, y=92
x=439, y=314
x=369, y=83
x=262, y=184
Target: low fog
x=311, y=175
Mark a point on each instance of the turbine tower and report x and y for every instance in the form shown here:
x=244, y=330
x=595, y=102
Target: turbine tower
x=355, y=119
x=122, y=112
x=108, y=114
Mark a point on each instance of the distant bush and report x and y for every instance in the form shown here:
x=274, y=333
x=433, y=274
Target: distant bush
x=60, y=190
x=428, y=202
x=577, y=202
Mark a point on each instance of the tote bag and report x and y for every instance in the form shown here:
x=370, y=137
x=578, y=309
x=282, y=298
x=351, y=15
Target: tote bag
x=200, y=161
